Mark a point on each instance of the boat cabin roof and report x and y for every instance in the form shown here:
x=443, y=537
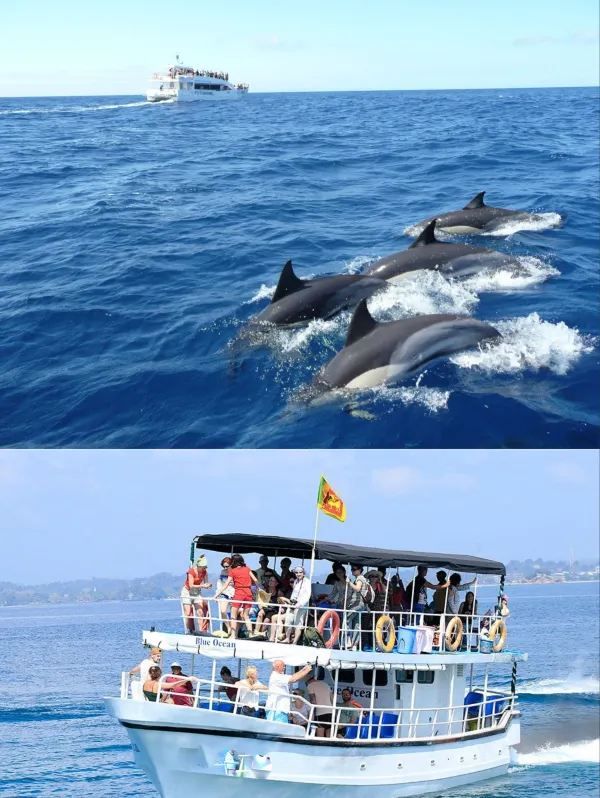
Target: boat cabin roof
x=273, y=545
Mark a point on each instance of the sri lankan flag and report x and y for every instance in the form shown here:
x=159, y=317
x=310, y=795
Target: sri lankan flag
x=329, y=502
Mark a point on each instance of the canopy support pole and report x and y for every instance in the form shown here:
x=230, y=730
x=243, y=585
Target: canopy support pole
x=314, y=547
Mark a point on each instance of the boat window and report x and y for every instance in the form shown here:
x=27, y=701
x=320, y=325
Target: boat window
x=425, y=677
x=405, y=677
x=346, y=675
x=381, y=678
x=203, y=86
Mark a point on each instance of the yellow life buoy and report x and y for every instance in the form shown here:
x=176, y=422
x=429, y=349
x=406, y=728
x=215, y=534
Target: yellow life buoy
x=454, y=634
x=498, y=628
x=385, y=625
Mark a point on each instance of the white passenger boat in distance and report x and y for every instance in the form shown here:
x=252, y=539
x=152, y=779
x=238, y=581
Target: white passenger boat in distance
x=187, y=84
x=413, y=698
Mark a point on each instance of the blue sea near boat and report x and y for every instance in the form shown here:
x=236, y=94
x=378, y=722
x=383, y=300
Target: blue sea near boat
x=57, y=738
x=138, y=240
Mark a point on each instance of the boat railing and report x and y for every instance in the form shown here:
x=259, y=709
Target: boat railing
x=389, y=630
x=362, y=725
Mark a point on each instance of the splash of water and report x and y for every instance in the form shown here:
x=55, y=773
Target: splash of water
x=574, y=685
x=582, y=751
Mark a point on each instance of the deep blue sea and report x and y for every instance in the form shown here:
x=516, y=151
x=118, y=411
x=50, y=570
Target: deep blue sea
x=136, y=241
x=57, y=662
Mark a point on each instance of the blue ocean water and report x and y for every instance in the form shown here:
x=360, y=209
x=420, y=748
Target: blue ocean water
x=136, y=241
x=57, y=662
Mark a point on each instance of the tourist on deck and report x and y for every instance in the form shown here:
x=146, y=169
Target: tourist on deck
x=466, y=611
x=268, y=607
x=286, y=577
x=226, y=593
x=332, y=578
x=504, y=610
x=278, y=704
x=357, y=595
x=264, y=573
x=149, y=662
x=297, y=606
x=417, y=592
x=319, y=694
x=180, y=692
x=454, y=589
x=152, y=686
x=196, y=579
x=300, y=711
x=242, y=579
x=350, y=712
x=247, y=692
x=228, y=683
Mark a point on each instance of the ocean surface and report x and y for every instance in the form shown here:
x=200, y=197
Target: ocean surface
x=57, y=662
x=137, y=240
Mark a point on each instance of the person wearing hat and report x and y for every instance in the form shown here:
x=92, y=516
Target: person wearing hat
x=149, y=662
x=196, y=579
x=180, y=691
x=297, y=609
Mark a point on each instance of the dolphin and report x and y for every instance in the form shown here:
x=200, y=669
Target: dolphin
x=476, y=217
x=427, y=252
x=381, y=352
x=296, y=301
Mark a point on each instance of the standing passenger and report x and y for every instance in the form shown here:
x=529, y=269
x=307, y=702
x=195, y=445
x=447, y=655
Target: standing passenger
x=278, y=704
x=242, y=579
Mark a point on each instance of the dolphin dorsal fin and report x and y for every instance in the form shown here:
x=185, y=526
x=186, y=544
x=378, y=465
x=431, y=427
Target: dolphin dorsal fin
x=361, y=323
x=288, y=282
x=476, y=202
x=427, y=236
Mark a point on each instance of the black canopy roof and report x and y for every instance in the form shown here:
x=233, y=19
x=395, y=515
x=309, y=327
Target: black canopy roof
x=301, y=548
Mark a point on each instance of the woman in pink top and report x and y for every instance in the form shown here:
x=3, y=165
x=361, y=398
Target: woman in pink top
x=242, y=578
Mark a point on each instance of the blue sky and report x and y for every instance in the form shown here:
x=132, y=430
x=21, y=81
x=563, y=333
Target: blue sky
x=78, y=513
x=111, y=47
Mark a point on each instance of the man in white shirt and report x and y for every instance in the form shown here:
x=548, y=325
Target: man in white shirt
x=295, y=617
x=278, y=704
x=144, y=667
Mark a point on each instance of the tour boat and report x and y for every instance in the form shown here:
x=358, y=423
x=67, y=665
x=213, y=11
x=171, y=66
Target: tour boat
x=187, y=84
x=429, y=710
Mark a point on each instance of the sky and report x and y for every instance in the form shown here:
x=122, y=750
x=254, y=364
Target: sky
x=69, y=514
x=69, y=47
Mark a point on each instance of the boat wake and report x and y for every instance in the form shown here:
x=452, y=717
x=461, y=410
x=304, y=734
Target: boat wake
x=587, y=751
x=578, y=685
x=73, y=109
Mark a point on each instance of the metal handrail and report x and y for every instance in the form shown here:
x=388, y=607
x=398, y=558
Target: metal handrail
x=459, y=719
x=355, y=624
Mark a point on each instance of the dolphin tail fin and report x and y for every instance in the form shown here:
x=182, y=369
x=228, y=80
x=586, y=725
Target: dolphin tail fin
x=288, y=282
x=476, y=202
x=427, y=236
x=361, y=323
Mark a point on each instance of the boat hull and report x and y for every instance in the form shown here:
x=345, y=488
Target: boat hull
x=193, y=97
x=186, y=751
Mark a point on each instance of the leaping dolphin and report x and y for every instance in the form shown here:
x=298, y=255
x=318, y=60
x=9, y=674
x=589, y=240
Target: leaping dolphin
x=381, y=352
x=296, y=301
x=427, y=252
x=476, y=217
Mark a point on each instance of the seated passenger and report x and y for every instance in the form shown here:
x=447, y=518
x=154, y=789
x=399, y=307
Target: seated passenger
x=453, y=603
x=300, y=710
x=248, y=696
x=278, y=704
x=152, y=686
x=181, y=692
x=228, y=686
x=263, y=573
x=267, y=604
x=350, y=712
x=319, y=694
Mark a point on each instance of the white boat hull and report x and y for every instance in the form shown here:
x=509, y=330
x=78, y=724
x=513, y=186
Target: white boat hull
x=184, y=752
x=193, y=96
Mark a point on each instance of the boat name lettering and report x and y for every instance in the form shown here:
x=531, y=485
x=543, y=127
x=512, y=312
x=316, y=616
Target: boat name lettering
x=214, y=642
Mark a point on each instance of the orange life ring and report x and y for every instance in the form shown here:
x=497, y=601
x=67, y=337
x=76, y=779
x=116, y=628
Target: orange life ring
x=329, y=615
x=498, y=628
x=385, y=624
x=455, y=627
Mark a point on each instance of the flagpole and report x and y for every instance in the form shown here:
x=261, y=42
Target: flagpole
x=314, y=546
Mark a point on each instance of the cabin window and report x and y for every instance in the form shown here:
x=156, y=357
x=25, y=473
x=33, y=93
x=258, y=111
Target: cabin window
x=346, y=676
x=381, y=678
x=404, y=677
x=425, y=677
x=203, y=86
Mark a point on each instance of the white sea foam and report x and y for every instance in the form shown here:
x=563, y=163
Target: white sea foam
x=528, y=344
x=583, y=751
x=421, y=293
x=74, y=109
x=295, y=339
x=576, y=685
x=526, y=272
x=433, y=399
x=264, y=292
